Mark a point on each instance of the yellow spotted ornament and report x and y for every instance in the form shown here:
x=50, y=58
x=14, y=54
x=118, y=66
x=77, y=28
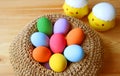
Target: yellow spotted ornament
x=102, y=17
x=76, y=8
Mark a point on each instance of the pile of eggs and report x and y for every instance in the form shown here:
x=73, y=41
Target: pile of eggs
x=57, y=45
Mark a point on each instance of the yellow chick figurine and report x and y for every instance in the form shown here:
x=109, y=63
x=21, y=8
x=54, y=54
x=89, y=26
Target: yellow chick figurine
x=102, y=17
x=76, y=8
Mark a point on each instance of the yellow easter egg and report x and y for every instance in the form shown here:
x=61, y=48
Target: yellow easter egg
x=75, y=12
x=100, y=25
x=57, y=62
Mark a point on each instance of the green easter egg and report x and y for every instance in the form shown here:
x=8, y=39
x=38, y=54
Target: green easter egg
x=44, y=25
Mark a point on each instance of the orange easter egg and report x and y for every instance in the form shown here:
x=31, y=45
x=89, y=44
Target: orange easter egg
x=75, y=36
x=41, y=54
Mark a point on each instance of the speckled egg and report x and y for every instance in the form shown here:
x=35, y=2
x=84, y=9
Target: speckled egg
x=74, y=53
x=44, y=25
x=57, y=43
x=75, y=36
x=39, y=39
x=57, y=62
x=61, y=26
x=41, y=54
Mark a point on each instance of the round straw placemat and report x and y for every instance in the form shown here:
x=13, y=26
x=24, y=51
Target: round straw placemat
x=24, y=65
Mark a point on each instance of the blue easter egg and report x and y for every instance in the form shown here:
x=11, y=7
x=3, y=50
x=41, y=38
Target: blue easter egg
x=39, y=39
x=74, y=53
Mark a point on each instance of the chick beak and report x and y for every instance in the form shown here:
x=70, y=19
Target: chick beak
x=71, y=12
x=96, y=24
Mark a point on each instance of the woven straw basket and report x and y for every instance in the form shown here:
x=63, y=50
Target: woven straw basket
x=24, y=65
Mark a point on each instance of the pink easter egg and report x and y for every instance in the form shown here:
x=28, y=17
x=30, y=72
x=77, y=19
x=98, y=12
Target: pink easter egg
x=57, y=43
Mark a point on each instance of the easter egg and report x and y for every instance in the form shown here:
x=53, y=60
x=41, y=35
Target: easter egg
x=57, y=62
x=61, y=26
x=57, y=43
x=41, y=54
x=46, y=65
x=75, y=36
x=44, y=25
x=102, y=17
x=74, y=53
x=39, y=39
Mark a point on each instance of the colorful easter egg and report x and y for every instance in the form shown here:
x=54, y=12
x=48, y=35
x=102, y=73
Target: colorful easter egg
x=74, y=53
x=44, y=25
x=46, y=65
x=57, y=43
x=61, y=26
x=102, y=17
x=57, y=62
x=39, y=39
x=75, y=36
x=41, y=54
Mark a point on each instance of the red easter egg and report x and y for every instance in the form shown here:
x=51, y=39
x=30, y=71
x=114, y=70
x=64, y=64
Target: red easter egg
x=57, y=43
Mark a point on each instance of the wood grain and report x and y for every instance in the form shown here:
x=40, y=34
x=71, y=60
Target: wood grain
x=15, y=14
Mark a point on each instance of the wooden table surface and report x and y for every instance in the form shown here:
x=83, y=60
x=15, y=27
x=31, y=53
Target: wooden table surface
x=15, y=14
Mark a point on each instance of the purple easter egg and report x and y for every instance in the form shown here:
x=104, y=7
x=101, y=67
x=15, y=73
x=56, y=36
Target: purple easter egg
x=61, y=26
x=46, y=65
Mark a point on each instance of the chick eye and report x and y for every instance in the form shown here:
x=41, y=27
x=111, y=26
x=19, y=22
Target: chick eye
x=76, y=12
x=102, y=24
x=92, y=19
